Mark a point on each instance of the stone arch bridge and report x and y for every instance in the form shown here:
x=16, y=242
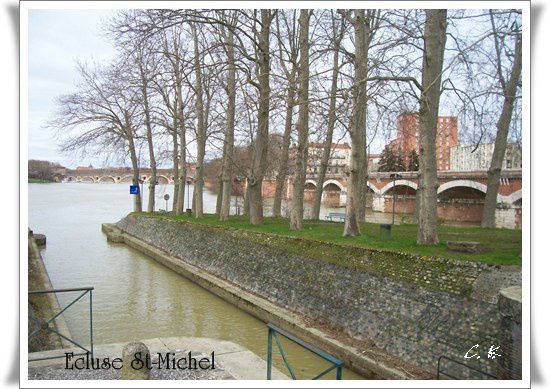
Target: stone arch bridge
x=122, y=175
x=468, y=185
x=460, y=194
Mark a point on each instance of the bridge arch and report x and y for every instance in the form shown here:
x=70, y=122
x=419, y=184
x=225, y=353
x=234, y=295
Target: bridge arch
x=462, y=183
x=310, y=185
x=87, y=179
x=333, y=182
x=163, y=179
x=390, y=185
x=373, y=188
x=106, y=179
x=71, y=179
x=512, y=198
x=126, y=178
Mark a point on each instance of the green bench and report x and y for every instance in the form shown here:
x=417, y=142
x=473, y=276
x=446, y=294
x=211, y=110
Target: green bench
x=336, y=216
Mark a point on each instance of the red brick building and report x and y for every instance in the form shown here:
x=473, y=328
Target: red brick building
x=407, y=138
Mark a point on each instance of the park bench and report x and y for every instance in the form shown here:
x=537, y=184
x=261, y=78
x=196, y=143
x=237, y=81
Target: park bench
x=336, y=216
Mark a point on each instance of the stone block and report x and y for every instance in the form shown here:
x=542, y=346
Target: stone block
x=132, y=370
x=115, y=237
x=40, y=239
x=465, y=247
x=510, y=339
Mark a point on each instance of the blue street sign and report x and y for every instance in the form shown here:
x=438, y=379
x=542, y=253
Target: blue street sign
x=134, y=189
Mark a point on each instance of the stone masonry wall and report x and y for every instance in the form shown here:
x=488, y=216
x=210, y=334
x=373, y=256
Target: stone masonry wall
x=415, y=308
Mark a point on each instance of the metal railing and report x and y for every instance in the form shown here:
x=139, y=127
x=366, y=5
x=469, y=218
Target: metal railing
x=47, y=325
x=272, y=335
x=440, y=371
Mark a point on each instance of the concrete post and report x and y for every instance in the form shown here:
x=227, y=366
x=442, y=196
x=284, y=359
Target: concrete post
x=509, y=306
x=134, y=356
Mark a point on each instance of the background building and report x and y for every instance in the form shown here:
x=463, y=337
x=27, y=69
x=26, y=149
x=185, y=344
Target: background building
x=464, y=158
x=373, y=162
x=407, y=138
x=339, y=158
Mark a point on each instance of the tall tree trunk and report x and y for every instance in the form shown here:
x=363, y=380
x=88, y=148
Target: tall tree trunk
x=246, y=198
x=327, y=148
x=135, y=166
x=229, y=137
x=416, y=207
x=432, y=66
x=149, y=135
x=219, y=193
x=182, y=145
x=297, y=209
x=258, y=167
x=501, y=141
x=175, y=163
x=283, y=163
x=356, y=174
x=201, y=129
x=362, y=210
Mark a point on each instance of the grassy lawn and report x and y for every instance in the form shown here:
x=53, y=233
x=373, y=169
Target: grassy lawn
x=504, y=245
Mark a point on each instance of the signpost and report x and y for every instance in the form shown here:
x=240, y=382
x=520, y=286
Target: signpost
x=134, y=189
x=166, y=197
x=394, y=176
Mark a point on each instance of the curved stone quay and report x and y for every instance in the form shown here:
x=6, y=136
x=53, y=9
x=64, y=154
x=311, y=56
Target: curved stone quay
x=392, y=323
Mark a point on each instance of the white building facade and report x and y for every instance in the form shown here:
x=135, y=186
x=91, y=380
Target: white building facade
x=463, y=158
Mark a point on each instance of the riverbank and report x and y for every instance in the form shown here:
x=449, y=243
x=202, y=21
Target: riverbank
x=40, y=181
x=43, y=306
x=386, y=315
x=503, y=245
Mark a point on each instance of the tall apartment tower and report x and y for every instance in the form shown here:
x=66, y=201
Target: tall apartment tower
x=407, y=139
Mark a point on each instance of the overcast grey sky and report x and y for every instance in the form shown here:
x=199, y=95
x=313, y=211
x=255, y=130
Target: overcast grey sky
x=57, y=38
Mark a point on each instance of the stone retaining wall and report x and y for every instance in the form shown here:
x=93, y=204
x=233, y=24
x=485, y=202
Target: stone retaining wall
x=414, y=308
x=43, y=306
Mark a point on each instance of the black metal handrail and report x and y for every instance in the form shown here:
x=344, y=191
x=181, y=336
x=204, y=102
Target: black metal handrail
x=442, y=372
x=45, y=324
x=272, y=334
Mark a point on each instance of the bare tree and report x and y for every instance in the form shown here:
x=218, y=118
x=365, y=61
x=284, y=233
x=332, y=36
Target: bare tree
x=258, y=166
x=142, y=58
x=229, y=138
x=170, y=88
x=432, y=67
x=201, y=126
x=509, y=85
x=356, y=171
x=338, y=30
x=286, y=54
x=102, y=115
x=297, y=209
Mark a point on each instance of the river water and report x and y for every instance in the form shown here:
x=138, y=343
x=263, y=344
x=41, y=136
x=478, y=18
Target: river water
x=135, y=297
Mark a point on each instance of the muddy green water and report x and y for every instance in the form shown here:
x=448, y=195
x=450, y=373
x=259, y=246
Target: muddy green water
x=135, y=297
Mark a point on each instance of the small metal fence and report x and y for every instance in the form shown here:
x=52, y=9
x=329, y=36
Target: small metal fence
x=47, y=325
x=272, y=335
x=441, y=372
